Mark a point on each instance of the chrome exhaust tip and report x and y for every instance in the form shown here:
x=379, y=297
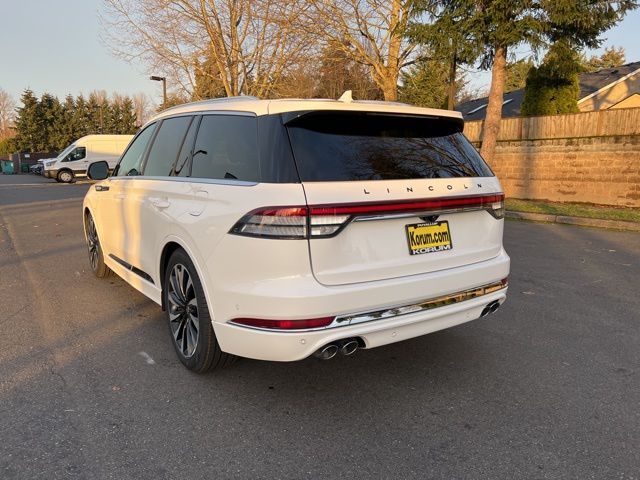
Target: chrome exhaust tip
x=490, y=308
x=327, y=352
x=349, y=348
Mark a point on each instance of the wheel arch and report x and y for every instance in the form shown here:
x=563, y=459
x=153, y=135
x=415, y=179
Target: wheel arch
x=172, y=244
x=85, y=213
x=167, y=251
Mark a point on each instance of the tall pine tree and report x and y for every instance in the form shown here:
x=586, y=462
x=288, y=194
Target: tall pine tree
x=498, y=26
x=27, y=123
x=46, y=125
x=127, y=124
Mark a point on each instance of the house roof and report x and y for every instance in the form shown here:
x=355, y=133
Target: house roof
x=590, y=83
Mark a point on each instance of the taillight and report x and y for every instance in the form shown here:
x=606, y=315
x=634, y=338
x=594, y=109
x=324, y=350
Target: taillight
x=321, y=221
x=496, y=207
x=284, y=324
x=289, y=223
x=274, y=222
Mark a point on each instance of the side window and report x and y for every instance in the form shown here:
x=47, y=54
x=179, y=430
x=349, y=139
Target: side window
x=182, y=165
x=77, y=153
x=164, y=151
x=226, y=148
x=132, y=159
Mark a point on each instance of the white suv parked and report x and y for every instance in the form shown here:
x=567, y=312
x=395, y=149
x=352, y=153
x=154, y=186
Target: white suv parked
x=276, y=229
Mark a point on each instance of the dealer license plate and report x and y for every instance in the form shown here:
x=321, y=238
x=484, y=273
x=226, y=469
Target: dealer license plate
x=428, y=237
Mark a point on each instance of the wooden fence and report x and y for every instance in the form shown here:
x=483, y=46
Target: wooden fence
x=603, y=123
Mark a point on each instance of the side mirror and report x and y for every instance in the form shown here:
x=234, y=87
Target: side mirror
x=98, y=170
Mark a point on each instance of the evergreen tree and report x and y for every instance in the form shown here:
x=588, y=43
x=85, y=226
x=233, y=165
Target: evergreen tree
x=208, y=81
x=51, y=119
x=95, y=122
x=173, y=99
x=67, y=130
x=127, y=123
x=27, y=124
x=8, y=146
x=426, y=84
x=47, y=125
x=517, y=74
x=552, y=88
x=498, y=26
x=612, y=57
x=443, y=42
x=110, y=117
x=80, y=120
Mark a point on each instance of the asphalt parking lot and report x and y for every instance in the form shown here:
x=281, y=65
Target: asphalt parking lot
x=548, y=387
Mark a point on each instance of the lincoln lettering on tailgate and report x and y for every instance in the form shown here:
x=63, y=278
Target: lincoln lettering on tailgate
x=428, y=237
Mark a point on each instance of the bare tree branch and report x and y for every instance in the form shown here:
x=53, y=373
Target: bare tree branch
x=252, y=44
x=370, y=32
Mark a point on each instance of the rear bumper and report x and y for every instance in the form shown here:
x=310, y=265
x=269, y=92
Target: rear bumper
x=314, y=300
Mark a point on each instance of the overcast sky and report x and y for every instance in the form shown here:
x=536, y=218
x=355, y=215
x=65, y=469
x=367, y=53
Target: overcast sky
x=55, y=46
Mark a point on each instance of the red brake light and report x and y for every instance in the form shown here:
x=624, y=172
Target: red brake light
x=480, y=202
x=284, y=324
x=321, y=221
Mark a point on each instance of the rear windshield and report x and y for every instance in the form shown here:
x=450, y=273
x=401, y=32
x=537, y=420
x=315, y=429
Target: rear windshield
x=345, y=146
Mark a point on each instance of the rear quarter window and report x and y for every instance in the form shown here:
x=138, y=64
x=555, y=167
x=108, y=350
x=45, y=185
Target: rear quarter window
x=226, y=148
x=348, y=146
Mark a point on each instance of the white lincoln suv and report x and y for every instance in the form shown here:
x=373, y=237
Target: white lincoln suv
x=279, y=229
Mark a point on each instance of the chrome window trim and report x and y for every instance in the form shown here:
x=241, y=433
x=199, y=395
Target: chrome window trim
x=212, y=181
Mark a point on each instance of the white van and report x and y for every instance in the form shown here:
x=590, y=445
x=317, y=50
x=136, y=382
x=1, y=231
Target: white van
x=76, y=158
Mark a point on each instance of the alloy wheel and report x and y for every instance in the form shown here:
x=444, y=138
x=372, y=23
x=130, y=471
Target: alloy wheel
x=183, y=310
x=93, y=244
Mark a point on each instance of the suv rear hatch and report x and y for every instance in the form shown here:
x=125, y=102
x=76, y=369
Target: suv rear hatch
x=393, y=195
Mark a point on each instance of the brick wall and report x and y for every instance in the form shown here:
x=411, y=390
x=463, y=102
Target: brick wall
x=602, y=170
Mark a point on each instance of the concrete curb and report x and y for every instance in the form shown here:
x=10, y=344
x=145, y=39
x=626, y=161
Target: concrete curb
x=583, y=222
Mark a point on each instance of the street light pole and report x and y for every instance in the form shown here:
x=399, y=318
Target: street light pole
x=164, y=87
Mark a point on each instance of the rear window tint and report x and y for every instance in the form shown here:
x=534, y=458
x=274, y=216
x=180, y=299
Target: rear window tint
x=346, y=146
x=226, y=148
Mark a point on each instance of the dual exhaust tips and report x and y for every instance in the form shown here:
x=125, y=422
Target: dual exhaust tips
x=350, y=345
x=490, y=308
x=344, y=347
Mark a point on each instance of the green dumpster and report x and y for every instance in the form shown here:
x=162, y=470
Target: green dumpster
x=7, y=167
x=24, y=168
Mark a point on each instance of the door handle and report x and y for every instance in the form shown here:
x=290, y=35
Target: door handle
x=101, y=188
x=159, y=203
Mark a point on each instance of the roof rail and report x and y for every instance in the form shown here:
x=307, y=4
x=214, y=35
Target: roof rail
x=213, y=100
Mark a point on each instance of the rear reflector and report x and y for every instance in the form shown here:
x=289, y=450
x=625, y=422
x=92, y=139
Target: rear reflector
x=322, y=221
x=284, y=324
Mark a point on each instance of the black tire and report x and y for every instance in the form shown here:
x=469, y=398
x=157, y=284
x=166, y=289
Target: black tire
x=96, y=258
x=65, y=176
x=188, y=317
